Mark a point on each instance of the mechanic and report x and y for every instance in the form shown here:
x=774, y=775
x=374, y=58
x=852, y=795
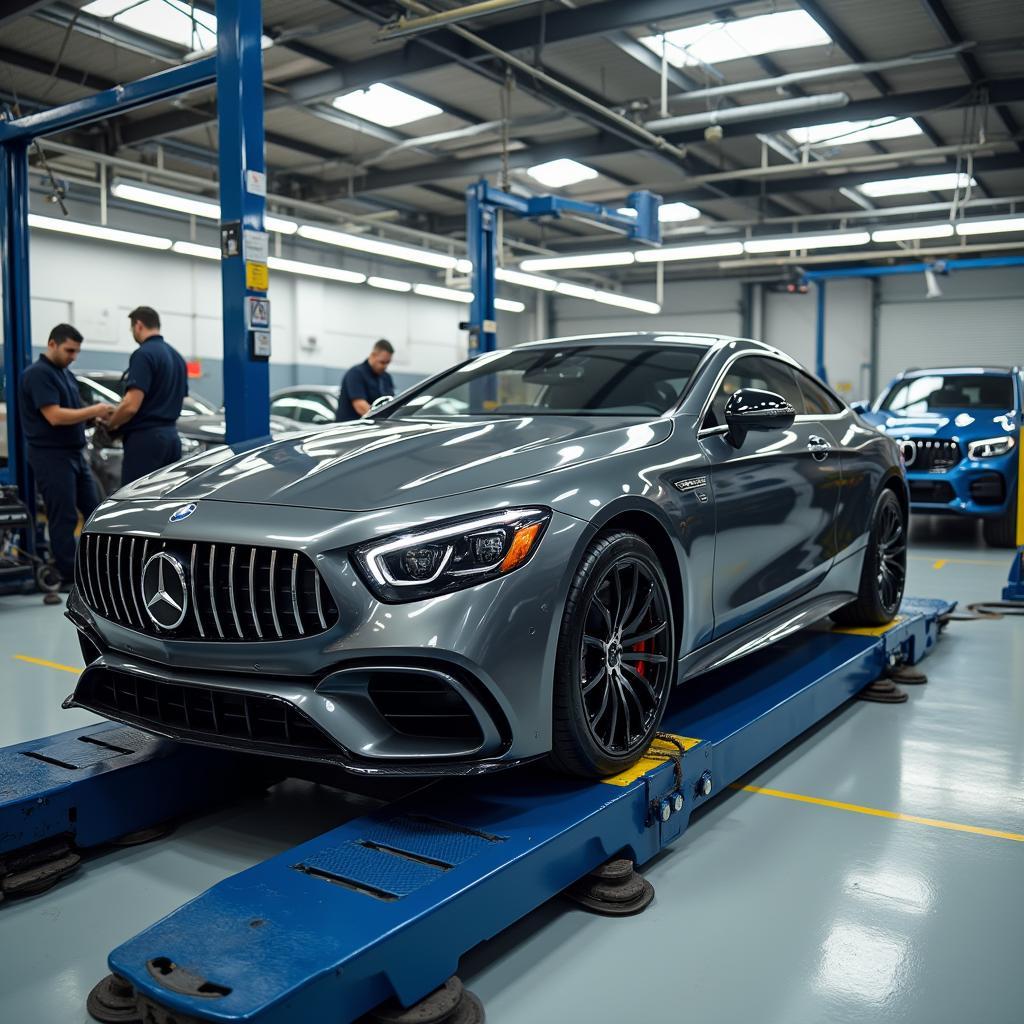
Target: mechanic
x=156, y=386
x=53, y=420
x=367, y=382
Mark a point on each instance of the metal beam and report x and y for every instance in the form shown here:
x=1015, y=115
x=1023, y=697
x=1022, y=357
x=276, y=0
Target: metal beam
x=649, y=59
x=111, y=32
x=595, y=146
x=12, y=10
x=62, y=72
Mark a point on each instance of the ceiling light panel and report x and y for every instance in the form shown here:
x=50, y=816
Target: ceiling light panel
x=796, y=243
x=389, y=284
x=359, y=243
x=544, y=284
x=561, y=173
x=912, y=232
x=433, y=291
x=510, y=305
x=847, y=133
x=315, y=270
x=716, y=42
x=205, y=252
x=669, y=213
x=70, y=227
x=384, y=105
x=921, y=183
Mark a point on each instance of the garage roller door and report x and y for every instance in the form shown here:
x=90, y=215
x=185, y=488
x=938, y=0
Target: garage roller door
x=950, y=333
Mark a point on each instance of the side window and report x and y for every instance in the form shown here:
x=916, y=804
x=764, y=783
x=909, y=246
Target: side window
x=754, y=372
x=817, y=400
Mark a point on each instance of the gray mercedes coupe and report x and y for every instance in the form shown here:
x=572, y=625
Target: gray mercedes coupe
x=517, y=558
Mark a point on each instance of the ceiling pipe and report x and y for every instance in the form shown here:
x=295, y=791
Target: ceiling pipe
x=816, y=74
x=411, y=26
x=750, y=112
x=649, y=137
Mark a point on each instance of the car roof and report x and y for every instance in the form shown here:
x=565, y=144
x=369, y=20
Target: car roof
x=1002, y=371
x=322, y=389
x=706, y=341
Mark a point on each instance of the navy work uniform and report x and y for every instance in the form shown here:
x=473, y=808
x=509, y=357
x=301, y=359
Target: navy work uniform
x=362, y=382
x=151, y=438
x=56, y=457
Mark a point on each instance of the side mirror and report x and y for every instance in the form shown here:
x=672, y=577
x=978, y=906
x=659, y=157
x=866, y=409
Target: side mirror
x=861, y=407
x=379, y=403
x=753, y=409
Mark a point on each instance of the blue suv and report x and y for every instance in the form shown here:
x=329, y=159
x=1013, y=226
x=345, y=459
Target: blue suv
x=959, y=431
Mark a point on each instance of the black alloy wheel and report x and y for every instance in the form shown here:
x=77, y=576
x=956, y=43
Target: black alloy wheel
x=616, y=661
x=885, y=567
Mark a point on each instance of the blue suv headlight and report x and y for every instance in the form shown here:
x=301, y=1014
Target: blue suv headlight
x=990, y=447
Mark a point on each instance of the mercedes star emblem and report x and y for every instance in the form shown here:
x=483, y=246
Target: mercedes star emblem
x=165, y=592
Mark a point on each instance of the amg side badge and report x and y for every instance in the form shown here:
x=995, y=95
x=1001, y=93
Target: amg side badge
x=694, y=485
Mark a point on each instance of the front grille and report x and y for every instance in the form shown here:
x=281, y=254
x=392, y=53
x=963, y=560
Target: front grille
x=423, y=705
x=931, y=492
x=988, y=489
x=931, y=456
x=233, y=591
x=201, y=710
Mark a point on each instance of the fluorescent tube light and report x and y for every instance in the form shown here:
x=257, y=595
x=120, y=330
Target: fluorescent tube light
x=384, y=105
x=793, y=243
x=560, y=173
x=544, y=284
x=593, y=259
x=579, y=291
x=921, y=183
x=703, y=251
x=993, y=226
x=911, y=232
x=389, y=284
x=70, y=227
x=463, y=267
x=205, y=252
x=193, y=205
x=847, y=133
x=510, y=305
x=424, y=257
x=314, y=270
x=716, y=42
x=433, y=291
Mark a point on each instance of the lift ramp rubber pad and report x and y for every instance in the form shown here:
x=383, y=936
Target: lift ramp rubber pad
x=285, y=945
x=100, y=782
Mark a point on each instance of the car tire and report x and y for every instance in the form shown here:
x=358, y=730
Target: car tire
x=616, y=658
x=1002, y=532
x=885, y=567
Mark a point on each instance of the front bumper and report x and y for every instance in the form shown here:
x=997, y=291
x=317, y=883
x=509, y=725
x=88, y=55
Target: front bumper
x=456, y=684
x=983, y=488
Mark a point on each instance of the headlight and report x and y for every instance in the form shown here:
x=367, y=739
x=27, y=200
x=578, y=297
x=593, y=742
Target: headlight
x=452, y=556
x=990, y=447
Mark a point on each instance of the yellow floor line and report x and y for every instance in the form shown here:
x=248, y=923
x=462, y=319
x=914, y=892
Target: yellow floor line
x=940, y=563
x=48, y=664
x=958, y=561
x=874, y=811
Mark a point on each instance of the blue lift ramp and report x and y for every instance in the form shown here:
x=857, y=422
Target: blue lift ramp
x=385, y=905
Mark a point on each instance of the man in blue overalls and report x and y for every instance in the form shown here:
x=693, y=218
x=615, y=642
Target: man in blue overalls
x=53, y=421
x=155, y=387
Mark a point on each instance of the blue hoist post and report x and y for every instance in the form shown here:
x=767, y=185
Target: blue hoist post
x=483, y=202
x=243, y=201
x=16, y=306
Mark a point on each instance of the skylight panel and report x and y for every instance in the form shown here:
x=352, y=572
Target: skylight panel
x=560, y=173
x=668, y=213
x=921, y=183
x=384, y=105
x=716, y=42
x=173, y=20
x=847, y=133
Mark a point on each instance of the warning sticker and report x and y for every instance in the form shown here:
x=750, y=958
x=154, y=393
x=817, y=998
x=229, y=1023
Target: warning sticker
x=257, y=279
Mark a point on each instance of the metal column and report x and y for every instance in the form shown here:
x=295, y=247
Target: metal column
x=819, y=336
x=242, y=208
x=481, y=241
x=16, y=310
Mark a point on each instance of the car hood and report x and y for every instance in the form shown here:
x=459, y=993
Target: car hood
x=949, y=424
x=372, y=464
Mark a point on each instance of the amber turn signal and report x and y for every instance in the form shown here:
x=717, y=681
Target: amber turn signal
x=521, y=545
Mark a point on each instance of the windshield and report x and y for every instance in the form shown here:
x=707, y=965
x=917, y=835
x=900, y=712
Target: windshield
x=577, y=380
x=950, y=391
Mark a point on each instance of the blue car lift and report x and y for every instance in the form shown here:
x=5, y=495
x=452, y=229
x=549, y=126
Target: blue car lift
x=380, y=909
x=484, y=206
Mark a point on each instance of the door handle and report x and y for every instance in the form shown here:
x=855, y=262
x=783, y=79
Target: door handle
x=818, y=447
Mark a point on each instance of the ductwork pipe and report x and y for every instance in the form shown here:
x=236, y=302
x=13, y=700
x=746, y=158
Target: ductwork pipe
x=751, y=112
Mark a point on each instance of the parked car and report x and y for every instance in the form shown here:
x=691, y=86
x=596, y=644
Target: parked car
x=959, y=431
x=201, y=426
x=428, y=592
x=310, y=404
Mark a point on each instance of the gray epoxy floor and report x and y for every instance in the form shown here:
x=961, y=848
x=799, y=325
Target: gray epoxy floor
x=768, y=910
